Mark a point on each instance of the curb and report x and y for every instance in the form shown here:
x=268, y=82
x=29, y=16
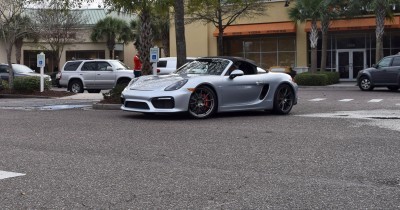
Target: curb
x=101, y=106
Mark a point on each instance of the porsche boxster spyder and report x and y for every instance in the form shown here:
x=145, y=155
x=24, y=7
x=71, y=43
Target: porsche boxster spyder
x=211, y=85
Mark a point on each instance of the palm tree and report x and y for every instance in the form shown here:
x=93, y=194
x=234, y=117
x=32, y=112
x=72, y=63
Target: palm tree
x=383, y=10
x=330, y=9
x=303, y=11
x=25, y=22
x=113, y=30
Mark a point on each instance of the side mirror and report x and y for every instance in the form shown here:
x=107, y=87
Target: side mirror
x=236, y=73
x=374, y=66
x=109, y=68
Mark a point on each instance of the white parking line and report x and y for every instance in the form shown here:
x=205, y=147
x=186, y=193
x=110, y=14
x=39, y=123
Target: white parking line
x=317, y=99
x=346, y=100
x=375, y=100
x=7, y=174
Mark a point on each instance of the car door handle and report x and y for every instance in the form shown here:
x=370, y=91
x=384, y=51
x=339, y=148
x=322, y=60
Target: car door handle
x=260, y=83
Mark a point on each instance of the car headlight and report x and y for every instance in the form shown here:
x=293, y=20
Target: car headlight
x=176, y=85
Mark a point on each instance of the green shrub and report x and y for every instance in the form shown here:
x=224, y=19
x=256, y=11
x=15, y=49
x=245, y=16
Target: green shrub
x=309, y=79
x=114, y=95
x=4, y=85
x=333, y=77
x=29, y=84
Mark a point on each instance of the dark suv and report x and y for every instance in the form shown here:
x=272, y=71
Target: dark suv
x=94, y=75
x=386, y=73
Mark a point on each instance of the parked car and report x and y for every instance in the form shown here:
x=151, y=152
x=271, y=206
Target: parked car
x=20, y=70
x=167, y=65
x=94, y=75
x=205, y=86
x=386, y=73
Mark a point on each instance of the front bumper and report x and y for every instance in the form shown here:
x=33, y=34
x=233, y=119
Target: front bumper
x=155, y=101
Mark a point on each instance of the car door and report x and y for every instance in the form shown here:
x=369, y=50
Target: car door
x=88, y=74
x=393, y=72
x=105, y=77
x=4, y=72
x=381, y=74
x=243, y=91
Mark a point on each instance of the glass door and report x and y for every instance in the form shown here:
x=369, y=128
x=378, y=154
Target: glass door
x=350, y=62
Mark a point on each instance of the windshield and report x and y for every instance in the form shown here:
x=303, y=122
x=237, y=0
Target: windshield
x=20, y=69
x=119, y=65
x=210, y=66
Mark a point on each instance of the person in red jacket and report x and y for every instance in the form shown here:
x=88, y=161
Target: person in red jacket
x=137, y=70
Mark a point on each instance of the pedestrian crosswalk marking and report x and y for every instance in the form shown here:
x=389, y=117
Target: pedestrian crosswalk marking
x=8, y=174
x=375, y=100
x=318, y=99
x=346, y=100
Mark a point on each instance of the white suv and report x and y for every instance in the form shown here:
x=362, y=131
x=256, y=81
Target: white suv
x=167, y=65
x=94, y=75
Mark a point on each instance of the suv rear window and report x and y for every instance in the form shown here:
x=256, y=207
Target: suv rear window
x=72, y=66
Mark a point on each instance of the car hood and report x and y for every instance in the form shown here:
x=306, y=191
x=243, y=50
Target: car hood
x=31, y=74
x=147, y=83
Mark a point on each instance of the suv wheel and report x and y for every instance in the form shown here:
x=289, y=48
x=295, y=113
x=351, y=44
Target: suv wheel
x=365, y=84
x=76, y=86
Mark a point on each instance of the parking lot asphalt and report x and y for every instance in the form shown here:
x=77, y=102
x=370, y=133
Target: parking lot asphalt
x=95, y=98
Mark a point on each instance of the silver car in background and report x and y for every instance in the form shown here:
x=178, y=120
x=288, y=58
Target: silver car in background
x=20, y=70
x=94, y=75
x=209, y=85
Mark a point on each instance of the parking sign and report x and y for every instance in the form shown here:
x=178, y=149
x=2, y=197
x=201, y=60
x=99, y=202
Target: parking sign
x=41, y=60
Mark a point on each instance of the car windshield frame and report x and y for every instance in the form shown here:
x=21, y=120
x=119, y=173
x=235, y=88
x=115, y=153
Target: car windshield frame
x=205, y=66
x=21, y=69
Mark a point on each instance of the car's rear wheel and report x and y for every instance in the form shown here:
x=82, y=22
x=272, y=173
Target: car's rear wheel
x=76, y=86
x=365, y=84
x=202, y=103
x=393, y=87
x=284, y=99
x=93, y=91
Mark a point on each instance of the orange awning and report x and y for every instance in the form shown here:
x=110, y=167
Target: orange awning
x=357, y=24
x=255, y=29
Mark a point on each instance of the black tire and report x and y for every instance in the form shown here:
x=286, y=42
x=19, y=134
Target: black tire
x=393, y=88
x=202, y=103
x=93, y=90
x=283, y=99
x=76, y=86
x=365, y=84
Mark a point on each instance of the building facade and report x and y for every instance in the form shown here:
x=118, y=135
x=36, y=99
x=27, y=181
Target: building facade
x=274, y=40
x=81, y=48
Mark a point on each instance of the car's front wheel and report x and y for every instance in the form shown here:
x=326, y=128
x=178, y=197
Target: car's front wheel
x=365, y=84
x=284, y=99
x=76, y=86
x=202, y=103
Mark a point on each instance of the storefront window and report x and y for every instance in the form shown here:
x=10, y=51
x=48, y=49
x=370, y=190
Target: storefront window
x=265, y=51
x=85, y=54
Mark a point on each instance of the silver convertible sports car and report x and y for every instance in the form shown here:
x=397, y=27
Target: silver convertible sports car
x=209, y=85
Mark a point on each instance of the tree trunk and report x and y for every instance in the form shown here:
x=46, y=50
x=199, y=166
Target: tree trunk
x=324, y=30
x=18, y=49
x=313, y=45
x=9, y=48
x=324, y=50
x=220, y=43
x=180, y=33
x=380, y=29
x=146, y=41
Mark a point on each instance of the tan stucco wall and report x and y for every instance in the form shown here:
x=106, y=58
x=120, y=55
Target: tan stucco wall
x=200, y=40
x=84, y=43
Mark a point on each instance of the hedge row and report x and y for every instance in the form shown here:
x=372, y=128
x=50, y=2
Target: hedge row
x=29, y=84
x=317, y=79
